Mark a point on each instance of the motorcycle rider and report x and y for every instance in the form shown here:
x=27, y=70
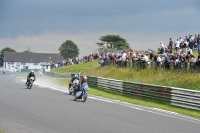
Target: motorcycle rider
x=72, y=80
x=84, y=84
x=31, y=74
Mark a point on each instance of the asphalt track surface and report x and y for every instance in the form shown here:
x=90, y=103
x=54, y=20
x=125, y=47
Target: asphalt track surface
x=48, y=109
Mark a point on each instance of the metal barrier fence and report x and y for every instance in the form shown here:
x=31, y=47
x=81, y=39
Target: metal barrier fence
x=185, y=98
x=153, y=65
x=169, y=95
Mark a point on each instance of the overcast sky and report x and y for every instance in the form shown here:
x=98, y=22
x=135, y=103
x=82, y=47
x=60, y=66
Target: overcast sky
x=43, y=25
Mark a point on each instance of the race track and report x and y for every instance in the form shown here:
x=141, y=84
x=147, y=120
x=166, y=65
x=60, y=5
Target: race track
x=48, y=109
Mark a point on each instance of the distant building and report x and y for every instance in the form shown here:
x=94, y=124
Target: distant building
x=16, y=61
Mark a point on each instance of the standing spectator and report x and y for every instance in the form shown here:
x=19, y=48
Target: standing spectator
x=192, y=61
x=198, y=42
x=167, y=61
x=187, y=39
x=158, y=60
x=144, y=58
x=191, y=42
x=189, y=51
x=183, y=46
x=151, y=55
x=170, y=43
x=162, y=48
x=177, y=45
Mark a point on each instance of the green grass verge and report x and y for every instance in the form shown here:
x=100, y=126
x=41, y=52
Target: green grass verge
x=145, y=102
x=2, y=131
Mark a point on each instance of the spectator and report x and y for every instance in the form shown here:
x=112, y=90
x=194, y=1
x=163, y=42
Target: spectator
x=170, y=43
x=158, y=60
x=162, y=48
x=198, y=59
x=189, y=51
x=192, y=61
x=119, y=61
x=198, y=42
x=172, y=58
x=144, y=58
x=191, y=42
x=177, y=45
x=183, y=46
x=151, y=55
x=167, y=61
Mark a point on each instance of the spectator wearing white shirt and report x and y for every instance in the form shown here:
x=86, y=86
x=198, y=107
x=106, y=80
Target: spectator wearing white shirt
x=145, y=58
x=162, y=48
x=124, y=56
x=177, y=45
x=158, y=60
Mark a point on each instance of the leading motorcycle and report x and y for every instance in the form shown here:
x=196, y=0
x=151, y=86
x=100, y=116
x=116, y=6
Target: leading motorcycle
x=81, y=94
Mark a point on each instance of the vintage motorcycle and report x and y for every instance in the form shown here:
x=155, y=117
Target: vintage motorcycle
x=74, y=86
x=30, y=83
x=81, y=94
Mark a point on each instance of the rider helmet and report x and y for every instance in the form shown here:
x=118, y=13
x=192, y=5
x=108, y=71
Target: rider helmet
x=76, y=76
x=84, y=79
x=32, y=71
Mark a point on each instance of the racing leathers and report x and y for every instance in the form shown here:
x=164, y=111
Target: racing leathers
x=29, y=76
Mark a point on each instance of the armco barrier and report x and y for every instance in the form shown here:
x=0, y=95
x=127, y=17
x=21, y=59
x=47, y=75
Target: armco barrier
x=92, y=81
x=185, y=98
x=110, y=84
x=147, y=91
x=170, y=95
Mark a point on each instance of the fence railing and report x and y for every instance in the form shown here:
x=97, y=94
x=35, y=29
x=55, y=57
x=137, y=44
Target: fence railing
x=169, y=95
x=153, y=65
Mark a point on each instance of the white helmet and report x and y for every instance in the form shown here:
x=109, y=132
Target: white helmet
x=76, y=75
x=32, y=71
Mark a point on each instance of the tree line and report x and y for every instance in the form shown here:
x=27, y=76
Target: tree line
x=69, y=49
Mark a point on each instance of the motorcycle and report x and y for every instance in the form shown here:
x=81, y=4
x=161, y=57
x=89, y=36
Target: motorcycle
x=81, y=94
x=30, y=83
x=74, y=86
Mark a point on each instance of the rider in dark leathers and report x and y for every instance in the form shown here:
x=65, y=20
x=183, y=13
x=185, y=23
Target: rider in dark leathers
x=72, y=80
x=31, y=74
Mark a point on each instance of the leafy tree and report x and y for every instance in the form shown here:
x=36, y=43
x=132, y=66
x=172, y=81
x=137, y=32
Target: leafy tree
x=113, y=42
x=2, y=54
x=69, y=49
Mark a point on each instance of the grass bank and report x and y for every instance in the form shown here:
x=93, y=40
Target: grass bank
x=174, y=78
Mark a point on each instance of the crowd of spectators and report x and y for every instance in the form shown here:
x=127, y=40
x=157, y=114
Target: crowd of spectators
x=163, y=58
x=176, y=54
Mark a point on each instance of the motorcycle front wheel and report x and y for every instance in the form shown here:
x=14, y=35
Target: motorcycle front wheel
x=84, y=98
